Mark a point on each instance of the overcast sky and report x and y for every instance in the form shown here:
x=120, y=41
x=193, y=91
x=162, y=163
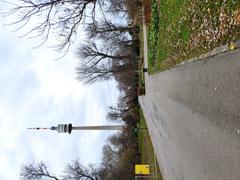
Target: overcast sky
x=36, y=90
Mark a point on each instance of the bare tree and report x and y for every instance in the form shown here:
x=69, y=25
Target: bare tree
x=117, y=6
x=90, y=75
x=74, y=171
x=104, y=63
x=92, y=54
x=119, y=157
x=117, y=113
x=106, y=29
x=59, y=16
x=127, y=101
x=124, y=42
x=120, y=141
x=103, y=71
x=36, y=171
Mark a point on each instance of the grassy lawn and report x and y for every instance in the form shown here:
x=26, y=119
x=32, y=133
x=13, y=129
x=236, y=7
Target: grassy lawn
x=146, y=149
x=141, y=62
x=141, y=80
x=182, y=29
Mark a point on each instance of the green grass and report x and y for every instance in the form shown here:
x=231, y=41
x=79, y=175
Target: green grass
x=146, y=149
x=182, y=29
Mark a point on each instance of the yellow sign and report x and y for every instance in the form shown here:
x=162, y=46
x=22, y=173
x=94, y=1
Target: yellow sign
x=142, y=169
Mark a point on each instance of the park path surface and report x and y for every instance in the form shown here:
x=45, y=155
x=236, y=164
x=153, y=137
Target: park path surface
x=193, y=115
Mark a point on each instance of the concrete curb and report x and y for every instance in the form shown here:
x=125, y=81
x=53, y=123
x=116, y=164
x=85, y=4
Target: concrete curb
x=214, y=52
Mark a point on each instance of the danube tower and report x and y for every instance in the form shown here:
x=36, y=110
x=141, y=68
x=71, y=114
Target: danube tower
x=68, y=128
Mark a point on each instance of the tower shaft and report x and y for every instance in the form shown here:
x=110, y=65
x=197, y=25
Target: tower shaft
x=108, y=127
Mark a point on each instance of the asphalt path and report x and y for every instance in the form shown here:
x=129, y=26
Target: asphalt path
x=193, y=115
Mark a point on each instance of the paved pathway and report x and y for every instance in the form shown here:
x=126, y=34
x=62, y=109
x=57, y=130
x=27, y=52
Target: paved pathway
x=193, y=114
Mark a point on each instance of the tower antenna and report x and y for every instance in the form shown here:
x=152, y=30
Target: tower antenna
x=38, y=128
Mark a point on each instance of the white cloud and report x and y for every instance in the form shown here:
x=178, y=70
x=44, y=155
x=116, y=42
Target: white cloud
x=36, y=90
